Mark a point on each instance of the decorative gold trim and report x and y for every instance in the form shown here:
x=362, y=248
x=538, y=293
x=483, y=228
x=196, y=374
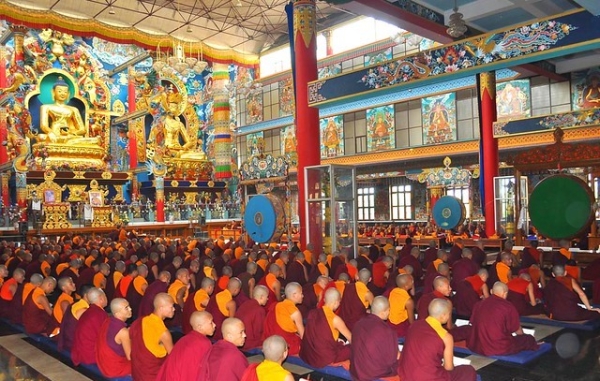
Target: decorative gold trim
x=487, y=81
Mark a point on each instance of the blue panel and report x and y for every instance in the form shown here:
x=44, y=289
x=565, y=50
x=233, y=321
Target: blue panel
x=445, y=5
x=501, y=20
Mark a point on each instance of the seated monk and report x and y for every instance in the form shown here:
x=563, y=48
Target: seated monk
x=137, y=289
x=273, y=284
x=275, y=351
x=521, y=295
x=64, y=301
x=374, y=351
x=160, y=285
x=412, y=260
x=9, y=289
x=88, y=328
x=114, y=279
x=443, y=269
x=381, y=273
x=321, y=344
x=222, y=305
x=247, y=278
x=297, y=271
x=356, y=299
x=123, y=285
x=225, y=361
x=15, y=313
x=186, y=359
x=442, y=257
x=428, y=352
x=464, y=267
x=312, y=295
x=37, y=313
x=402, y=306
x=494, y=321
x=285, y=319
x=430, y=254
x=252, y=314
x=113, y=347
x=196, y=302
x=179, y=291
x=151, y=341
x=71, y=318
x=503, y=268
x=469, y=292
x=562, y=296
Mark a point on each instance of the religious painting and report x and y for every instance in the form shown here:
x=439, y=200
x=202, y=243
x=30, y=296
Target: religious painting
x=332, y=136
x=255, y=144
x=585, y=88
x=439, y=118
x=96, y=198
x=254, y=106
x=288, y=145
x=329, y=70
x=378, y=57
x=286, y=97
x=513, y=100
x=49, y=196
x=380, y=128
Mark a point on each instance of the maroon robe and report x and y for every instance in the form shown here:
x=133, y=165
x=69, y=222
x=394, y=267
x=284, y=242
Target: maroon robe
x=189, y=307
x=86, y=335
x=561, y=303
x=458, y=333
x=271, y=327
x=36, y=320
x=253, y=316
x=86, y=276
x=336, y=263
x=429, y=256
x=272, y=298
x=296, y=272
x=479, y=256
x=218, y=317
x=374, y=350
x=429, y=278
x=454, y=255
x=147, y=302
x=67, y=331
x=15, y=306
x=417, y=269
x=462, y=269
x=111, y=287
x=422, y=356
x=186, y=359
x=250, y=373
x=528, y=259
x=310, y=300
x=596, y=291
x=134, y=298
x=318, y=348
x=465, y=299
x=224, y=362
x=521, y=303
x=494, y=320
x=109, y=362
x=591, y=271
x=351, y=308
x=144, y=365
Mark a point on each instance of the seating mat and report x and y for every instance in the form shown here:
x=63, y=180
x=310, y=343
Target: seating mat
x=520, y=358
x=583, y=325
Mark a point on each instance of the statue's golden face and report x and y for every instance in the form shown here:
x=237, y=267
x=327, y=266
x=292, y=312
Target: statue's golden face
x=174, y=108
x=61, y=93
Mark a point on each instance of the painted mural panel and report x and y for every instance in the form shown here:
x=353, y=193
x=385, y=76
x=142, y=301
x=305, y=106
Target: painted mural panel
x=585, y=88
x=254, y=106
x=332, y=136
x=255, y=144
x=286, y=97
x=513, y=100
x=288, y=145
x=378, y=57
x=439, y=118
x=380, y=128
x=330, y=70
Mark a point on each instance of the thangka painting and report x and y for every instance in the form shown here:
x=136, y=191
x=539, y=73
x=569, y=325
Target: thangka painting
x=255, y=144
x=380, y=128
x=585, y=88
x=332, y=136
x=513, y=100
x=439, y=118
x=254, y=106
x=379, y=57
x=286, y=97
x=288, y=145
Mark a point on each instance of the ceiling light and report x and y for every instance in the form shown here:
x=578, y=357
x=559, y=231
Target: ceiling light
x=111, y=10
x=456, y=25
x=189, y=29
x=238, y=3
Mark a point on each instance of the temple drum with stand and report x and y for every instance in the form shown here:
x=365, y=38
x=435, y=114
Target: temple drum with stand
x=561, y=207
x=264, y=218
x=449, y=212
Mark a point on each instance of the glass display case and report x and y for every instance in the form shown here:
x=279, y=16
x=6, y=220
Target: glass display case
x=507, y=218
x=331, y=207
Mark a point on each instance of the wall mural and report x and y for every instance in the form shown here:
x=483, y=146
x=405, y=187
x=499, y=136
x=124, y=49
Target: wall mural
x=379, y=57
x=439, y=118
x=380, y=128
x=585, y=88
x=332, y=136
x=255, y=144
x=288, y=145
x=286, y=97
x=513, y=100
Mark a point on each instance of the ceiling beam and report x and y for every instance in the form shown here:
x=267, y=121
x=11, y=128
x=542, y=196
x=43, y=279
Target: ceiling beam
x=593, y=6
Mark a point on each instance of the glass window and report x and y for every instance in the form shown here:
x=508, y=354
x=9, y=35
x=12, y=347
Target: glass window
x=461, y=193
x=366, y=204
x=401, y=202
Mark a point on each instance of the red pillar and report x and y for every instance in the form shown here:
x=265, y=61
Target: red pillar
x=132, y=133
x=329, y=47
x=3, y=137
x=307, y=118
x=160, y=198
x=488, y=145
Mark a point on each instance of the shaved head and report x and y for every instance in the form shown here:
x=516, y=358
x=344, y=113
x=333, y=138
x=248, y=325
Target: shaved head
x=202, y=322
x=439, y=307
x=332, y=296
x=234, y=331
x=500, y=289
x=275, y=348
x=380, y=305
x=364, y=276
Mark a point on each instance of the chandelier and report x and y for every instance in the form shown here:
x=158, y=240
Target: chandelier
x=456, y=25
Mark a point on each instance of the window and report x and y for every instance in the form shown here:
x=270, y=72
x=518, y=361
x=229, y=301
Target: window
x=461, y=193
x=366, y=204
x=401, y=202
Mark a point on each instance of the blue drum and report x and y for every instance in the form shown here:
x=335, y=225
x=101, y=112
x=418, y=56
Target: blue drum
x=264, y=218
x=449, y=212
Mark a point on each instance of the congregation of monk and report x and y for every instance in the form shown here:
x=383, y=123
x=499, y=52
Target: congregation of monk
x=242, y=297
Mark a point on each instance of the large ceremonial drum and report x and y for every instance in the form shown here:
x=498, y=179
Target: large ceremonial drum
x=264, y=218
x=561, y=207
x=449, y=212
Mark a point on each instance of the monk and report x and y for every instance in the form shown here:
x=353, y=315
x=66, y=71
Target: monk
x=464, y=267
x=374, y=351
x=356, y=299
x=151, y=341
x=247, y=279
x=65, y=299
x=381, y=273
x=37, y=313
x=428, y=352
x=160, y=285
x=563, y=294
x=113, y=280
x=285, y=319
x=521, y=295
x=531, y=255
x=321, y=343
x=275, y=351
x=186, y=359
x=503, y=268
x=402, y=306
x=123, y=285
x=297, y=271
x=196, y=302
x=413, y=261
x=312, y=295
x=113, y=347
x=273, y=285
x=430, y=254
x=494, y=321
x=443, y=269
x=88, y=328
x=179, y=291
x=9, y=289
x=252, y=314
x=469, y=292
x=71, y=318
x=225, y=361
x=137, y=289
x=222, y=305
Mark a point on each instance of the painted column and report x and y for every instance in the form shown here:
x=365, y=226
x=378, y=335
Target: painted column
x=132, y=124
x=19, y=32
x=160, y=198
x=488, y=146
x=3, y=135
x=21, y=185
x=3, y=83
x=221, y=120
x=307, y=118
x=328, y=46
x=5, y=178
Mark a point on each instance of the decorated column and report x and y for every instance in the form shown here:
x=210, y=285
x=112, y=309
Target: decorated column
x=435, y=193
x=488, y=146
x=5, y=178
x=132, y=123
x=221, y=120
x=307, y=118
x=21, y=186
x=160, y=198
x=3, y=136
